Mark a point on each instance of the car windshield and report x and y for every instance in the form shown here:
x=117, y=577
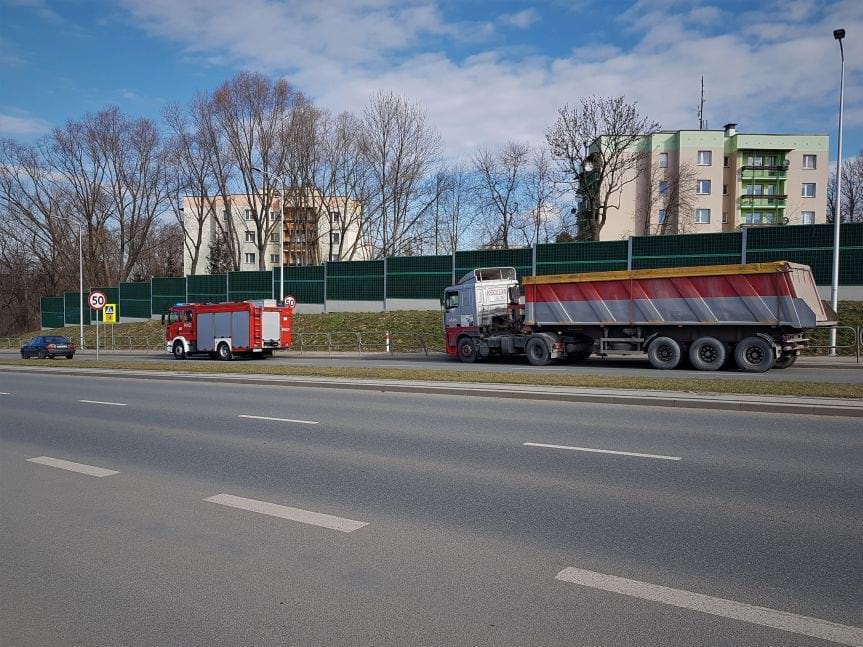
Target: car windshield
x=56, y=340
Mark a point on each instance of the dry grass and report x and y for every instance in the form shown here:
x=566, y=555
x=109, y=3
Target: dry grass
x=640, y=383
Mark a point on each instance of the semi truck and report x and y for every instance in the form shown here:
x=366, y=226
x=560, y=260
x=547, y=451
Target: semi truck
x=754, y=316
x=225, y=330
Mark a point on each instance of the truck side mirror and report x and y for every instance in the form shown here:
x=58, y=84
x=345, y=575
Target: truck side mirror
x=163, y=318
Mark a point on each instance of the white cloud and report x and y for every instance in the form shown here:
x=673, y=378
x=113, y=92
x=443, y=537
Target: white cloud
x=774, y=65
x=13, y=126
x=521, y=19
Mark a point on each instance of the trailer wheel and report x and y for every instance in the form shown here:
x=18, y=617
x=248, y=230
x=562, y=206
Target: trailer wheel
x=467, y=350
x=754, y=355
x=537, y=351
x=179, y=351
x=664, y=353
x=785, y=360
x=224, y=352
x=707, y=354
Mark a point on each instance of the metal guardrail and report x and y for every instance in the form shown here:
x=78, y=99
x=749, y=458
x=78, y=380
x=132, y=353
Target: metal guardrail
x=856, y=341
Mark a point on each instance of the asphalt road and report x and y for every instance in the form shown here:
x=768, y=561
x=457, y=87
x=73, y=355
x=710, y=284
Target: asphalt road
x=363, y=518
x=809, y=370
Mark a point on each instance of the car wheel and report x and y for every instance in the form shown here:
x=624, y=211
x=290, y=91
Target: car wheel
x=707, y=354
x=224, y=352
x=664, y=353
x=70, y=356
x=25, y=355
x=537, y=351
x=42, y=354
x=754, y=355
x=785, y=360
x=467, y=350
x=179, y=350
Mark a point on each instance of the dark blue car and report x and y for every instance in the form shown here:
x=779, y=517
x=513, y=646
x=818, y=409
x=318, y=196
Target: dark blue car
x=48, y=346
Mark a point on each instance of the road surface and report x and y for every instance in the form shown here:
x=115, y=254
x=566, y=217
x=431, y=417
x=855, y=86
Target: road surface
x=144, y=512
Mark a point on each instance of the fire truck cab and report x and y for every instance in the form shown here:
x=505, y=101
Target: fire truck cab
x=223, y=330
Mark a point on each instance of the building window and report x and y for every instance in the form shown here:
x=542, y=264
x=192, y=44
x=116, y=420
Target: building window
x=335, y=217
x=808, y=189
x=705, y=158
x=770, y=160
x=755, y=160
x=247, y=214
x=663, y=187
x=274, y=259
x=703, y=187
x=274, y=237
x=702, y=216
x=769, y=189
x=725, y=161
x=663, y=160
x=724, y=189
x=335, y=237
x=758, y=217
x=250, y=236
x=277, y=215
x=807, y=217
x=809, y=161
x=250, y=258
x=724, y=217
x=754, y=189
x=226, y=215
x=662, y=216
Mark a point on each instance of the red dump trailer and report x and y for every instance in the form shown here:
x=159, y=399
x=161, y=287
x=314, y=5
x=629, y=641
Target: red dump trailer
x=753, y=315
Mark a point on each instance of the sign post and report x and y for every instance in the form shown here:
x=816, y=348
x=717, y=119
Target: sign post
x=97, y=302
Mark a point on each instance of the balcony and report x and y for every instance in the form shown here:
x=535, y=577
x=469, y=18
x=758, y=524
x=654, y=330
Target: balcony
x=764, y=196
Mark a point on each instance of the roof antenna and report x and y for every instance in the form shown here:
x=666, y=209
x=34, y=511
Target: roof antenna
x=701, y=123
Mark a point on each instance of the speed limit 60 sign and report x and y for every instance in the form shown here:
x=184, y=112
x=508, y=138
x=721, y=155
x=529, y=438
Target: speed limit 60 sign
x=97, y=300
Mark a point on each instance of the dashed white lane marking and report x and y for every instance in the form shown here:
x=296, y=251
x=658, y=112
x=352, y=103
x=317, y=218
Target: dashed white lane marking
x=112, y=404
x=89, y=470
x=285, y=512
x=4, y=393
x=604, y=451
x=301, y=422
x=804, y=625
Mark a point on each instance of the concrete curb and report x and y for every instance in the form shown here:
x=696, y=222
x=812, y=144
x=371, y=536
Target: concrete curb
x=681, y=400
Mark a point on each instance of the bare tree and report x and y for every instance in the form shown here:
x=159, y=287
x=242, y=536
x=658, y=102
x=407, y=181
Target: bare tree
x=600, y=145
x=543, y=215
x=668, y=194
x=399, y=148
x=852, y=191
x=499, y=187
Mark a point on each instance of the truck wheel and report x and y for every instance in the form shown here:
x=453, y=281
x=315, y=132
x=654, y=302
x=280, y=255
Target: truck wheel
x=179, y=351
x=664, y=353
x=467, y=350
x=537, y=351
x=224, y=352
x=754, y=355
x=785, y=360
x=707, y=354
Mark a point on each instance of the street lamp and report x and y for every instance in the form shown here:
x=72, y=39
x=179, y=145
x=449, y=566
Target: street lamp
x=838, y=34
x=80, y=275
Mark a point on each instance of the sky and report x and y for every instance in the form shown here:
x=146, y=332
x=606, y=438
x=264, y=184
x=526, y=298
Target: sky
x=486, y=71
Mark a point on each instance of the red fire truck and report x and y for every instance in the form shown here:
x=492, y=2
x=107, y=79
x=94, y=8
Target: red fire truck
x=251, y=328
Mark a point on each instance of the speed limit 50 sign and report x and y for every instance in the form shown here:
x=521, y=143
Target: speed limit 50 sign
x=97, y=300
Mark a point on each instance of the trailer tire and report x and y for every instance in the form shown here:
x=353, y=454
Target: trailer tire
x=754, y=355
x=785, y=360
x=466, y=350
x=537, y=351
x=707, y=354
x=224, y=352
x=179, y=350
x=664, y=353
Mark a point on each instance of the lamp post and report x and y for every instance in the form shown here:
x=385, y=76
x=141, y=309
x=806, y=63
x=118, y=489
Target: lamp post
x=80, y=276
x=838, y=34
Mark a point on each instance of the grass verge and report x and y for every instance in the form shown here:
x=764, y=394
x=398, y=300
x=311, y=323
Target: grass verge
x=705, y=385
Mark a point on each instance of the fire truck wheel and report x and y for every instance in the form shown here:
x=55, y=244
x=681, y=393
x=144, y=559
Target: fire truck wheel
x=707, y=354
x=467, y=350
x=754, y=355
x=224, y=352
x=179, y=351
x=785, y=360
x=537, y=351
x=664, y=353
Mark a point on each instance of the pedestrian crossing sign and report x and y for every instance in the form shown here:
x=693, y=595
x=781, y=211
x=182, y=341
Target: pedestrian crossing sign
x=109, y=313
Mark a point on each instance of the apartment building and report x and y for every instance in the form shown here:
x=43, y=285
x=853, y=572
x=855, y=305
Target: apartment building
x=305, y=229
x=720, y=180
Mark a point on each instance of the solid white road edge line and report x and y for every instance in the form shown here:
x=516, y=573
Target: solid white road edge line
x=603, y=451
x=113, y=404
x=804, y=625
x=301, y=422
x=285, y=512
x=89, y=470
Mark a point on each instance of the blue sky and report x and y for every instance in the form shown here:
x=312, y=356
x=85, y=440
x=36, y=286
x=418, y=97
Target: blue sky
x=486, y=72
